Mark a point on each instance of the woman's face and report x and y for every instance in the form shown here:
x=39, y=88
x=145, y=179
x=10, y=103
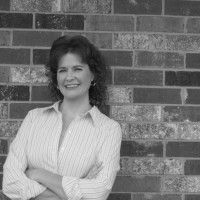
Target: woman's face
x=73, y=77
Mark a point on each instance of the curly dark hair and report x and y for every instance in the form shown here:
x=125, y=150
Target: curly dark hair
x=90, y=55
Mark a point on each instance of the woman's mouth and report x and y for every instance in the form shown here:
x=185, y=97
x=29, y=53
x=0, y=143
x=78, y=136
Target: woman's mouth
x=71, y=85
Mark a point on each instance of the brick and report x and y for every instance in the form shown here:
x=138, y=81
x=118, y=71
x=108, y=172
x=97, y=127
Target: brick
x=183, y=149
x=137, y=184
x=3, y=111
x=20, y=110
x=192, y=197
x=14, y=93
x=146, y=41
x=59, y=21
x=192, y=60
x=9, y=128
x=119, y=196
x=14, y=56
x=1, y=179
x=101, y=40
x=139, y=131
x=181, y=131
x=5, y=5
x=193, y=96
x=20, y=74
x=193, y=25
x=4, y=74
x=182, y=42
x=118, y=58
x=2, y=161
x=85, y=6
x=160, y=24
x=137, y=113
x=109, y=23
x=38, y=75
x=146, y=59
x=109, y=76
x=36, y=5
x=138, y=77
x=183, y=7
x=40, y=56
x=182, y=184
x=150, y=166
x=164, y=130
x=119, y=94
x=16, y=20
x=138, y=149
x=173, y=166
x=138, y=7
x=182, y=78
x=157, y=95
x=192, y=167
x=40, y=93
x=188, y=131
x=69, y=33
x=123, y=41
x=33, y=38
x=3, y=146
x=5, y=38
x=181, y=114
x=125, y=130
x=156, y=196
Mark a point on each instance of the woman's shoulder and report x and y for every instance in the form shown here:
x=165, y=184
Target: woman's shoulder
x=106, y=121
x=39, y=111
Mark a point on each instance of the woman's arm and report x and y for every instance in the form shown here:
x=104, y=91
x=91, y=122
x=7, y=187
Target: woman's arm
x=47, y=195
x=96, y=188
x=48, y=179
x=45, y=177
x=16, y=184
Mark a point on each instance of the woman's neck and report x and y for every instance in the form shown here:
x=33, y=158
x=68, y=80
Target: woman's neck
x=74, y=108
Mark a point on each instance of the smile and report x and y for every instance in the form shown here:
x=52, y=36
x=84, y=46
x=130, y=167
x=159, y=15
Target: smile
x=72, y=85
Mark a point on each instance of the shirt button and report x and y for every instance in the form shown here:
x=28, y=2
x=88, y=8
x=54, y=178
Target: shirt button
x=62, y=149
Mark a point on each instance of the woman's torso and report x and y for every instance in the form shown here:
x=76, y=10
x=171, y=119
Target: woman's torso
x=79, y=147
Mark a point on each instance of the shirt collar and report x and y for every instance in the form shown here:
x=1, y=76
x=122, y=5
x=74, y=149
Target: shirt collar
x=94, y=112
x=54, y=107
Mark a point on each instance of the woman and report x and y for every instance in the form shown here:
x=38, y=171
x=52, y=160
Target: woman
x=69, y=150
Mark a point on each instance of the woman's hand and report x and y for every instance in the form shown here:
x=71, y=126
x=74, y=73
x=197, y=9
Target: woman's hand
x=47, y=195
x=94, y=171
x=32, y=173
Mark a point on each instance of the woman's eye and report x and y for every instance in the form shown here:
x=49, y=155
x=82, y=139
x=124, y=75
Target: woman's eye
x=78, y=69
x=61, y=70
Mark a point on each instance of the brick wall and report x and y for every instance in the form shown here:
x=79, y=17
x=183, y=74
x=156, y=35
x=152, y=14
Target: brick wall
x=152, y=47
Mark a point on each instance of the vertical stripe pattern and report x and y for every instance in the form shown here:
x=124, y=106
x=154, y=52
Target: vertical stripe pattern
x=89, y=139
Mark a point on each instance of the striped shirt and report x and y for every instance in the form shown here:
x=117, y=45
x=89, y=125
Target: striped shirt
x=90, y=138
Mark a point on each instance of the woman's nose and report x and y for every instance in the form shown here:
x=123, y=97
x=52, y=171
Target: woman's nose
x=69, y=75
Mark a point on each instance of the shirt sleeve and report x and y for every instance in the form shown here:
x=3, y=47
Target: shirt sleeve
x=16, y=185
x=99, y=187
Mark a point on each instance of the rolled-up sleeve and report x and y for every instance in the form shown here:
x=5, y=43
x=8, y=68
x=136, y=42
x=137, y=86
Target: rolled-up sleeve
x=99, y=187
x=16, y=185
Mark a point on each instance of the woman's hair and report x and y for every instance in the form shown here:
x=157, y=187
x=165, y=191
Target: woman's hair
x=89, y=55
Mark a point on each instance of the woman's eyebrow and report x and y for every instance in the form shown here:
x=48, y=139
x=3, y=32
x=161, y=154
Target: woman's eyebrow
x=78, y=66
x=74, y=66
x=61, y=67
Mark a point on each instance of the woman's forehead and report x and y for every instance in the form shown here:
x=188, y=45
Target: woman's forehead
x=71, y=58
